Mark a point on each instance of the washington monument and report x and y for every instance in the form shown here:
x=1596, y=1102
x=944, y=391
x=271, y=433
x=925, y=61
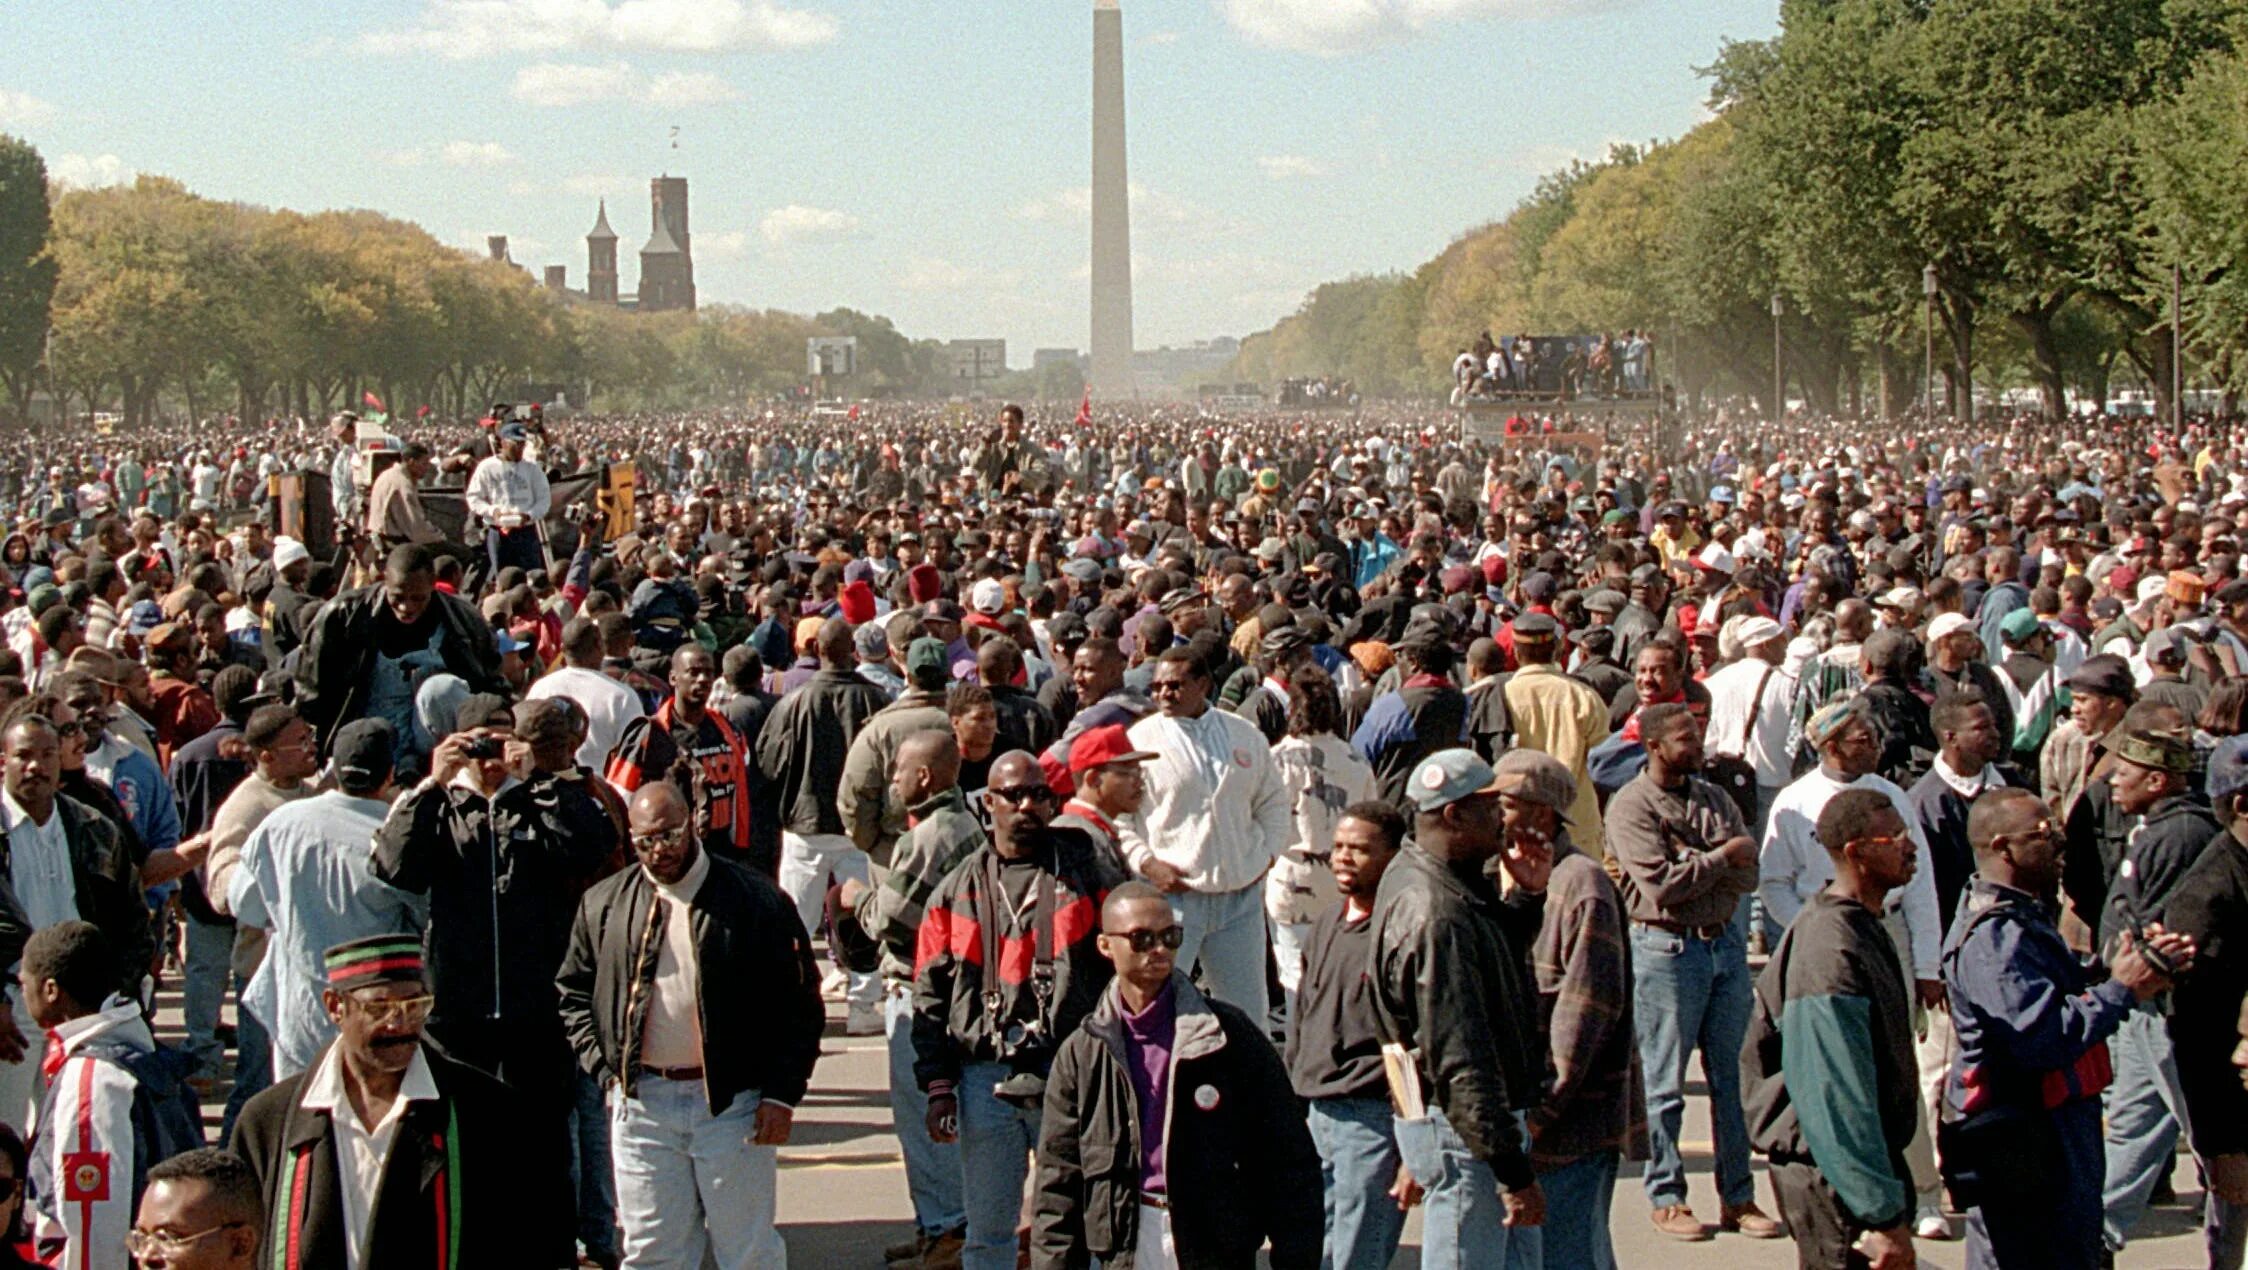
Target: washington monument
x=1111, y=373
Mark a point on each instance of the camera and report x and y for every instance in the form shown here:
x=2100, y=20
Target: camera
x=482, y=747
x=1026, y=1049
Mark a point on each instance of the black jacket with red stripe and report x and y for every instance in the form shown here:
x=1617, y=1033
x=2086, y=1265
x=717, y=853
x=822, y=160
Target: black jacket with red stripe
x=952, y=1024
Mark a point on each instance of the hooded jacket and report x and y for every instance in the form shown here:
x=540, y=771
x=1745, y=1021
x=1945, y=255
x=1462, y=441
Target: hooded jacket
x=1239, y=1163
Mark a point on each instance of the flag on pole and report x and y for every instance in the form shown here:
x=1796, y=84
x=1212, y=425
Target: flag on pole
x=1085, y=410
x=369, y=397
x=422, y=413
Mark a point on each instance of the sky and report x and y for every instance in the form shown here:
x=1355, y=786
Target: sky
x=923, y=159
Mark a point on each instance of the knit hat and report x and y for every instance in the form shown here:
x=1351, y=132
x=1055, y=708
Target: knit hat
x=374, y=959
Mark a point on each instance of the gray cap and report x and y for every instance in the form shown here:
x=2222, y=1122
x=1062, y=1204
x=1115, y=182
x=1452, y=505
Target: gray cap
x=871, y=642
x=1448, y=776
x=1606, y=601
x=1536, y=777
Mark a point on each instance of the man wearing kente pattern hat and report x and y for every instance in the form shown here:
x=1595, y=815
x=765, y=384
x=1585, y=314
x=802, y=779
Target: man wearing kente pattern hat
x=387, y=1154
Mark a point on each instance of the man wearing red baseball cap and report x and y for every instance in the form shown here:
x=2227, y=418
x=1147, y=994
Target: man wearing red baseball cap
x=1109, y=784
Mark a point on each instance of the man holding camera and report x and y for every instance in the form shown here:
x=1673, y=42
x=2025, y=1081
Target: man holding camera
x=509, y=494
x=1007, y=964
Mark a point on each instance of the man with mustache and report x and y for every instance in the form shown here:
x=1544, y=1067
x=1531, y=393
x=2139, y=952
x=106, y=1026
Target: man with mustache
x=384, y=1152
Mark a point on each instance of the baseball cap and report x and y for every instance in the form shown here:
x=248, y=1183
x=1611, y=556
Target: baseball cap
x=871, y=642
x=514, y=432
x=362, y=753
x=483, y=710
x=2019, y=625
x=1949, y=624
x=1758, y=629
x=1899, y=597
x=1536, y=626
x=988, y=597
x=1537, y=777
x=925, y=662
x=1447, y=776
x=1715, y=558
x=1101, y=746
x=546, y=721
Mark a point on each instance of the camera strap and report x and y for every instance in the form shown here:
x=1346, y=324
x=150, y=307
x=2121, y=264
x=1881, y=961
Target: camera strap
x=1042, y=938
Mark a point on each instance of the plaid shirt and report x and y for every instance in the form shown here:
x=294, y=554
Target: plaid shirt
x=943, y=832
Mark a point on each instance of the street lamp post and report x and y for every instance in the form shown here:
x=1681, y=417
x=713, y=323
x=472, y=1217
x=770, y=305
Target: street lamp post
x=1928, y=372
x=1779, y=367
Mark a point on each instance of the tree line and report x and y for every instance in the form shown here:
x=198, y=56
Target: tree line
x=150, y=300
x=2031, y=171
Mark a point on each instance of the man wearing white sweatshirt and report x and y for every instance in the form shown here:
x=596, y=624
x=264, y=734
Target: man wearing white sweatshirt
x=1215, y=817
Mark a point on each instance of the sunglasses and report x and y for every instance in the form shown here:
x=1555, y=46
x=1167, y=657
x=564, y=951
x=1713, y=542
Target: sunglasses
x=409, y=1011
x=1023, y=795
x=1145, y=941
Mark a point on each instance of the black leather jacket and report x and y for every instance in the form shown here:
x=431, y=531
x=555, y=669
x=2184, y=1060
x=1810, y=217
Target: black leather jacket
x=758, y=998
x=1449, y=984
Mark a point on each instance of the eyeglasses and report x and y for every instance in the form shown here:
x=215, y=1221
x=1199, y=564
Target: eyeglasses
x=1144, y=941
x=658, y=841
x=1166, y=687
x=170, y=1243
x=394, y=1011
x=1022, y=795
x=1883, y=840
x=70, y=729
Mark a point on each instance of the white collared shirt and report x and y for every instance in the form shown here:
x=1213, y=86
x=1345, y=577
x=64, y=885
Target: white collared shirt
x=39, y=865
x=362, y=1153
x=1969, y=788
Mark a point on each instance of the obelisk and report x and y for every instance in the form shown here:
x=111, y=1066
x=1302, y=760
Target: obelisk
x=1111, y=373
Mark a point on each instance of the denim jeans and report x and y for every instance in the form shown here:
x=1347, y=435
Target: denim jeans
x=209, y=966
x=590, y=1174
x=2146, y=1112
x=1576, y=1223
x=1690, y=994
x=253, y=1067
x=1226, y=932
x=1357, y=1142
x=808, y=863
x=1463, y=1221
x=691, y=1190
x=996, y=1139
x=932, y=1169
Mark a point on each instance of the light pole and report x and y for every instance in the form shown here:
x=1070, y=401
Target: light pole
x=1928, y=321
x=1779, y=368
x=2177, y=352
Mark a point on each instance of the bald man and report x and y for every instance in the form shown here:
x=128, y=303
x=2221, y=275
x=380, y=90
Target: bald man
x=704, y=1085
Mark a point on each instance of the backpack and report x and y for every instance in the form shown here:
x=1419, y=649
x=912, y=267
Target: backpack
x=167, y=1119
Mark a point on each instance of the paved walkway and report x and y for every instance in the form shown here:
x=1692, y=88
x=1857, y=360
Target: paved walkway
x=842, y=1186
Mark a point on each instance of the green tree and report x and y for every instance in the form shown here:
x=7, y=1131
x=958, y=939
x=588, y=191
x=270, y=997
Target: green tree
x=27, y=270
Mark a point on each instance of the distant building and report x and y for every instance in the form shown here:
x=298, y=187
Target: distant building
x=1155, y=369
x=496, y=244
x=558, y=278
x=601, y=259
x=976, y=362
x=667, y=269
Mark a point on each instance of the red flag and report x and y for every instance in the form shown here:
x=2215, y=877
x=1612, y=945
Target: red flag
x=1085, y=410
x=373, y=402
x=422, y=413
x=854, y=412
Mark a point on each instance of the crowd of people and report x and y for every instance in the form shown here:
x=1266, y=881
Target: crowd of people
x=1563, y=367
x=1242, y=830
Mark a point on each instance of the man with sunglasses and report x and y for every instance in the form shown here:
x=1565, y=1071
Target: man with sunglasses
x=1835, y=1104
x=385, y=1152
x=1005, y=967
x=1189, y=1094
x=2021, y=1106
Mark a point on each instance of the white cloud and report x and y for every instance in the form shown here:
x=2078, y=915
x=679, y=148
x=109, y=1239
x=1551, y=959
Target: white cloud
x=575, y=84
x=596, y=184
x=466, y=29
x=689, y=88
x=1282, y=167
x=721, y=246
x=796, y=223
x=1329, y=28
x=88, y=171
x=1155, y=39
x=453, y=154
x=22, y=110
x=569, y=84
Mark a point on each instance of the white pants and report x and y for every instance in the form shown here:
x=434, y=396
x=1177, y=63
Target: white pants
x=808, y=864
x=1156, y=1250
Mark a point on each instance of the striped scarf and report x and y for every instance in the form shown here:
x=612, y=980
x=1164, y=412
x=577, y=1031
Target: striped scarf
x=296, y=1183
